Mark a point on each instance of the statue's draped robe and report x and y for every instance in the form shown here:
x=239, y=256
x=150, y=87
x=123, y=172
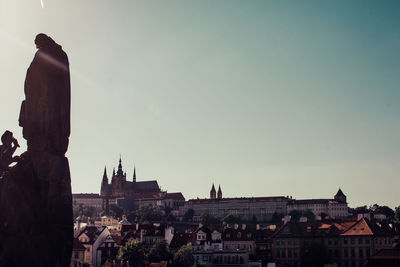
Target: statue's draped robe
x=45, y=113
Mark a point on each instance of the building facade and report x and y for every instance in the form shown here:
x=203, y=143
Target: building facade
x=329, y=208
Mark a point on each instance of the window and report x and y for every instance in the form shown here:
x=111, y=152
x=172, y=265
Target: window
x=361, y=253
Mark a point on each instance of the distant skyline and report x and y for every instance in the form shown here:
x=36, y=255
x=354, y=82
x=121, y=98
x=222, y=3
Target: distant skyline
x=265, y=98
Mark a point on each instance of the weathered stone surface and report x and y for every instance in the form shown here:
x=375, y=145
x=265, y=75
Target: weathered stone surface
x=36, y=223
x=45, y=113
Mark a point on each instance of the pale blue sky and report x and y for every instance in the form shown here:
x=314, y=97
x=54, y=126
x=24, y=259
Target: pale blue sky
x=263, y=97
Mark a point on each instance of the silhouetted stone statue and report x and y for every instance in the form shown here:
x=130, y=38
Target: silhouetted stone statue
x=36, y=223
x=45, y=113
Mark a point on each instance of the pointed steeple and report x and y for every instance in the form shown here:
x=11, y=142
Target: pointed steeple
x=104, y=183
x=134, y=174
x=340, y=196
x=120, y=172
x=212, y=192
x=219, y=194
x=105, y=178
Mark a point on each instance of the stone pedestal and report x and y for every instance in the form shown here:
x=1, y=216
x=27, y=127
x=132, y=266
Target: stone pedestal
x=36, y=212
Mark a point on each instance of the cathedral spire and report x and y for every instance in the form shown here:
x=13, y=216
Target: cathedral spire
x=219, y=194
x=212, y=192
x=105, y=178
x=120, y=172
x=104, y=183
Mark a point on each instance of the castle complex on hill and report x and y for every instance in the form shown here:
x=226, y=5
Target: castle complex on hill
x=134, y=194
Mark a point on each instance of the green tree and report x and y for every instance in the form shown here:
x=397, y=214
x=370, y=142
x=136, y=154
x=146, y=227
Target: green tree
x=116, y=211
x=159, y=252
x=277, y=218
x=397, y=213
x=208, y=219
x=184, y=257
x=77, y=210
x=361, y=210
x=89, y=211
x=309, y=214
x=188, y=216
x=167, y=211
x=230, y=218
x=133, y=253
x=388, y=212
x=171, y=218
x=295, y=215
x=323, y=215
x=148, y=214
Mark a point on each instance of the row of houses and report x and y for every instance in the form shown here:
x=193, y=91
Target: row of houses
x=342, y=243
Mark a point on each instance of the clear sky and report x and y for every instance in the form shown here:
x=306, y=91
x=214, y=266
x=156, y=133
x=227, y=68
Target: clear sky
x=264, y=98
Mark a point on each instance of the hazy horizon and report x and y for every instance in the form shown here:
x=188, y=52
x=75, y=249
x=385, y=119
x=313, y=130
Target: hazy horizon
x=265, y=98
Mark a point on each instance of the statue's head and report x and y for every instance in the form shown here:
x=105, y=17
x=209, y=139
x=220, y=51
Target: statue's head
x=43, y=41
x=7, y=137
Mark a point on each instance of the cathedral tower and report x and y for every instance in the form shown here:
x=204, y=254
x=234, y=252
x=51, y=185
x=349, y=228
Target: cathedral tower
x=213, y=194
x=219, y=194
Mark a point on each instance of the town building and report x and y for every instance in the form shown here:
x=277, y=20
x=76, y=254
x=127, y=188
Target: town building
x=346, y=243
x=247, y=208
x=88, y=200
x=92, y=238
x=329, y=208
x=78, y=254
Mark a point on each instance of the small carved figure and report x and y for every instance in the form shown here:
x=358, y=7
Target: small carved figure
x=7, y=149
